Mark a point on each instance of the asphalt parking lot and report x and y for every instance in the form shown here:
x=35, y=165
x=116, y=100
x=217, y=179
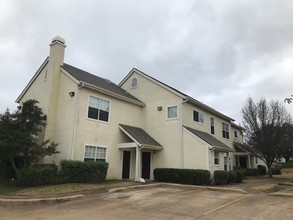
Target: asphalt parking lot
x=164, y=202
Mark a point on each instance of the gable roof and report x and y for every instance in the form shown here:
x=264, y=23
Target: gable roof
x=218, y=145
x=101, y=84
x=177, y=92
x=139, y=136
x=32, y=80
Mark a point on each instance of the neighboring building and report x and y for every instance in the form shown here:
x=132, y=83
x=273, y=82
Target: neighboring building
x=137, y=126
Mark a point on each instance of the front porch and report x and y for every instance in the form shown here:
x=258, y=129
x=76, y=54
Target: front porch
x=137, y=156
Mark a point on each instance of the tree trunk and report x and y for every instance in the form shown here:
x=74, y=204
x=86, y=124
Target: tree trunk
x=270, y=171
x=17, y=173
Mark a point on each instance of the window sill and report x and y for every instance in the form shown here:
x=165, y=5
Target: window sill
x=99, y=121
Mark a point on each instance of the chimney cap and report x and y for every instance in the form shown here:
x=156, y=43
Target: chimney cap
x=58, y=39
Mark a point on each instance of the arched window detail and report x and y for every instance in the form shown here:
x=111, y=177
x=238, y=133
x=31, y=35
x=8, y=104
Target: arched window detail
x=134, y=83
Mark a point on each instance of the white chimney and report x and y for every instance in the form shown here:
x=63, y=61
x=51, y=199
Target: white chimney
x=56, y=56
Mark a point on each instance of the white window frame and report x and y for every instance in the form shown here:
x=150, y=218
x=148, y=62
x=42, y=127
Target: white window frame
x=226, y=131
x=96, y=147
x=167, y=112
x=217, y=157
x=93, y=119
x=200, y=116
x=211, y=117
x=132, y=80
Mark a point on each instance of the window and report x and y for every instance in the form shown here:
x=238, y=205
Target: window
x=225, y=130
x=94, y=153
x=212, y=125
x=98, y=109
x=216, y=157
x=198, y=116
x=236, y=134
x=172, y=112
x=134, y=83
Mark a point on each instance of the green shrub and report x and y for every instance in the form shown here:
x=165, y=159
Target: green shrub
x=262, y=169
x=276, y=171
x=38, y=174
x=183, y=176
x=288, y=164
x=244, y=171
x=252, y=172
x=7, y=172
x=83, y=172
x=232, y=177
x=240, y=176
x=221, y=177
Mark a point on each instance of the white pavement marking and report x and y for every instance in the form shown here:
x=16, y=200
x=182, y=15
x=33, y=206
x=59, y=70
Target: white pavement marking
x=227, y=204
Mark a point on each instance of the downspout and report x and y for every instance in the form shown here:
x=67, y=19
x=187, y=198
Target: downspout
x=181, y=133
x=80, y=85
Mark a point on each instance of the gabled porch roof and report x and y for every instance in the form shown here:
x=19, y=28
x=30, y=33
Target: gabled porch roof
x=140, y=137
x=244, y=147
x=218, y=145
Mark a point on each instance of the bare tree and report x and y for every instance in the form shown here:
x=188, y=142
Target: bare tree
x=263, y=122
x=287, y=142
x=289, y=100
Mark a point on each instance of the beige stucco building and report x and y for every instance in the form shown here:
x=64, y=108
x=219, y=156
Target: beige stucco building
x=136, y=126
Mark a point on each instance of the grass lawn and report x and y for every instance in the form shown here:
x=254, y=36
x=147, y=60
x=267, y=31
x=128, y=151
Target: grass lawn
x=66, y=188
x=288, y=189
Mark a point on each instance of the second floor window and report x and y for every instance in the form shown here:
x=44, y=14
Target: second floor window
x=225, y=130
x=236, y=134
x=172, y=112
x=98, y=109
x=212, y=125
x=198, y=116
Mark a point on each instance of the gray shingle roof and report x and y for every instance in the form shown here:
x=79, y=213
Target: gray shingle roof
x=244, y=147
x=97, y=81
x=140, y=135
x=210, y=140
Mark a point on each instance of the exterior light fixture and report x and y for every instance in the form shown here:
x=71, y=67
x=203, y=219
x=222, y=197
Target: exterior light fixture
x=71, y=94
x=159, y=108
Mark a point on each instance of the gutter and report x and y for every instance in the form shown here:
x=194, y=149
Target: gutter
x=181, y=133
x=80, y=85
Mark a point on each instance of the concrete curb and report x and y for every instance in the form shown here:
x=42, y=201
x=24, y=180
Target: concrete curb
x=281, y=194
x=119, y=189
x=41, y=200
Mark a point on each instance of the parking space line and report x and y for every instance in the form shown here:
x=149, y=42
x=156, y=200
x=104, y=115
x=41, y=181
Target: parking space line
x=227, y=204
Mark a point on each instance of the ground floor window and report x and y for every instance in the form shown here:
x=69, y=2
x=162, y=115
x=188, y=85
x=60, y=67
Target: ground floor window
x=216, y=157
x=94, y=153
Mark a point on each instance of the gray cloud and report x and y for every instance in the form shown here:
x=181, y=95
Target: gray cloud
x=219, y=52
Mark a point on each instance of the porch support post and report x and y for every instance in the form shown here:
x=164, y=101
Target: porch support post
x=137, y=164
x=228, y=161
x=249, y=163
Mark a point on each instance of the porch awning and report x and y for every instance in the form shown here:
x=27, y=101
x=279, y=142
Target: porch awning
x=244, y=147
x=140, y=137
x=218, y=145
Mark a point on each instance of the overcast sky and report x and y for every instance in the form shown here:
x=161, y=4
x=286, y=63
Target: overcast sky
x=217, y=51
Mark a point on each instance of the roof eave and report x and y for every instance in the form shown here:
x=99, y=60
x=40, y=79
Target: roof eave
x=107, y=92
x=194, y=101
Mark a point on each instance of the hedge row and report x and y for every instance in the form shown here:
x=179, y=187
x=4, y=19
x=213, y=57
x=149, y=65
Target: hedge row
x=183, y=176
x=83, y=172
x=38, y=174
x=225, y=177
x=70, y=172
